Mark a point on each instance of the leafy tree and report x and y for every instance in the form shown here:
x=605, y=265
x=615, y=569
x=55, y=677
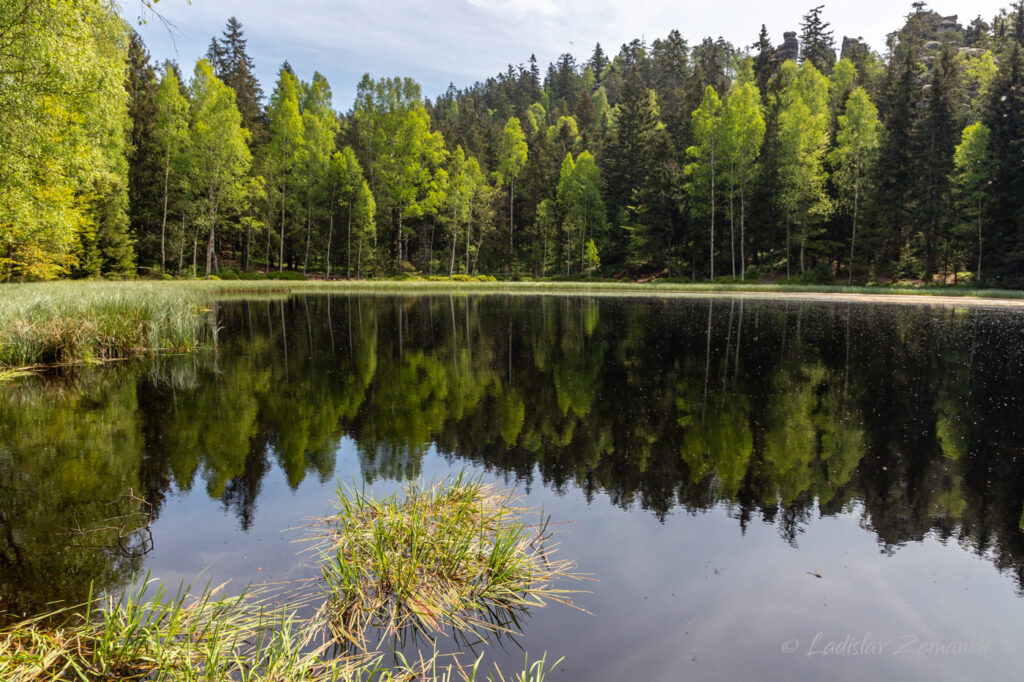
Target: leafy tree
x=286, y=149
x=219, y=146
x=171, y=134
x=62, y=129
x=591, y=260
x=399, y=151
x=858, y=140
x=705, y=152
x=743, y=130
x=319, y=129
x=511, y=161
x=803, y=141
x=973, y=172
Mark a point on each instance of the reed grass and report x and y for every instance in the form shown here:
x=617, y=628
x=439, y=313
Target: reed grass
x=442, y=555
x=456, y=555
x=73, y=322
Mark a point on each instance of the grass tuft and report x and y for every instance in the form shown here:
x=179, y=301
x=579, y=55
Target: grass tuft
x=443, y=555
x=454, y=555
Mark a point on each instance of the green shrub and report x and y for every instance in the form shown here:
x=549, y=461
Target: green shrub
x=821, y=273
x=287, y=275
x=753, y=273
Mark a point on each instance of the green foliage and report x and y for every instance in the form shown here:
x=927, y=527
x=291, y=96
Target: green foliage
x=219, y=146
x=803, y=141
x=63, y=180
x=858, y=140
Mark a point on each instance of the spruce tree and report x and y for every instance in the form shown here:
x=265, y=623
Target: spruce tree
x=817, y=44
x=233, y=65
x=1005, y=120
x=144, y=169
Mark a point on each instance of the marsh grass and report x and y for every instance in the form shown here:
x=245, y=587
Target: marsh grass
x=452, y=556
x=74, y=322
x=443, y=555
x=167, y=637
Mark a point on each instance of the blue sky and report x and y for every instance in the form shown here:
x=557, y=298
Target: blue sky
x=438, y=42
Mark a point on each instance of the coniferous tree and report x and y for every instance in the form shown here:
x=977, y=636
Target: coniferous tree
x=1005, y=121
x=236, y=68
x=765, y=63
x=936, y=138
x=629, y=156
x=817, y=44
x=144, y=163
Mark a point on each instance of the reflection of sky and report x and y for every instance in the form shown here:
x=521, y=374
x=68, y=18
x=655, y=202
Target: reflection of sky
x=463, y=41
x=690, y=598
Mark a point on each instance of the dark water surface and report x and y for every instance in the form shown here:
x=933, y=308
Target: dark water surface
x=770, y=491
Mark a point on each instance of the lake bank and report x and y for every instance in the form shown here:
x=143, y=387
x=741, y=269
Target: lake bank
x=75, y=322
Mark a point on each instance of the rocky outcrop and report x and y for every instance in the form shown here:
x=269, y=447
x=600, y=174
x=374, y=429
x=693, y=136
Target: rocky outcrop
x=854, y=49
x=790, y=47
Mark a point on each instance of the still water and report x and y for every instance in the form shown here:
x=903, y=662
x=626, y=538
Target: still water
x=760, y=490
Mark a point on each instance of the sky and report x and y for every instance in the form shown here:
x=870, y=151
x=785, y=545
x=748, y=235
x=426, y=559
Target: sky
x=438, y=42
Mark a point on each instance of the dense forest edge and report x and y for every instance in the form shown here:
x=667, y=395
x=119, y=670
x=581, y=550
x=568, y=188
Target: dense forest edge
x=802, y=162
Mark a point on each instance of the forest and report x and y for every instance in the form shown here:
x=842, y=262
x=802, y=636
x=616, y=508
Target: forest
x=804, y=161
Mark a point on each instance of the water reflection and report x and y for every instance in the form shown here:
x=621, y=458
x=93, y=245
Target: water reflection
x=909, y=415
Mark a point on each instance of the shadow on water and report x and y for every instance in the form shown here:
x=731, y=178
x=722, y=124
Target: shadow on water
x=785, y=412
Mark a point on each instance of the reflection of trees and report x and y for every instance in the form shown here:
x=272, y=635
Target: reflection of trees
x=782, y=411
x=69, y=470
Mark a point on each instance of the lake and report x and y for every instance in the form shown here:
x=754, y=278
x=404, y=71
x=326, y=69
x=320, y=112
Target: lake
x=759, y=489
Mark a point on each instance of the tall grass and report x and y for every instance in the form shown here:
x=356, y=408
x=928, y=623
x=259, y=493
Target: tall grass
x=71, y=322
x=442, y=555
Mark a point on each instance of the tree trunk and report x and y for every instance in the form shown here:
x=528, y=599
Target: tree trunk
x=309, y=232
x=248, y=245
x=979, y=241
x=743, y=215
x=281, y=248
x=455, y=236
x=163, y=222
x=732, y=225
x=195, y=250
x=853, y=237
x=181, y=247
x=348, y=274
x=712, y=213
x=511, y=203
x=330, y=236
x=209, y=244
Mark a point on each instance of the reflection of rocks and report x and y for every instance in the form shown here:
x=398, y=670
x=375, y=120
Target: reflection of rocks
x=790, y=47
